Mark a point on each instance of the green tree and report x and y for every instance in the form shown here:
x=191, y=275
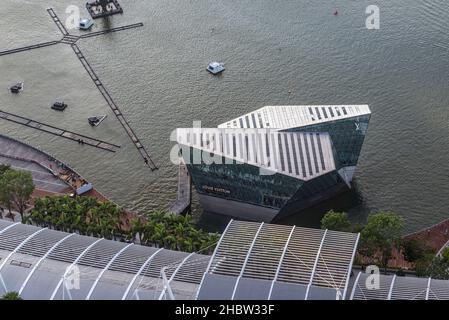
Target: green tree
x=16, y=188
x=414, y=250
x=3, y=169
x=431, y=266
x=104, y=219
x=337, y=221
x=381, y=234
x=5, y=196
x=11, y=296
x=445, y=255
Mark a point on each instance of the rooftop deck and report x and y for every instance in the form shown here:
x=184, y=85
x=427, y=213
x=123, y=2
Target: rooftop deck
x=301, y=155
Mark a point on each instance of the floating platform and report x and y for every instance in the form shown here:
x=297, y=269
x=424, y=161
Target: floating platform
x=103, y=8
x=50, y=175
x=16, y=88
x=63, y=133
x=59, y=106
x=71, y=40
x=95, y=121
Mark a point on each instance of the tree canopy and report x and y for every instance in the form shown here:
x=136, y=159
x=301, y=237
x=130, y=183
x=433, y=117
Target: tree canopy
x=11, y=296
x=16, y=188
x=3, y=169
x=381, y=234
x=88, y=216
x=415, y=250
x=337, y=221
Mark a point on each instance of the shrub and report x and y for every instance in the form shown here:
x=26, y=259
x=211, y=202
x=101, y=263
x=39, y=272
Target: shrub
x=337, y=221
x=414, y=250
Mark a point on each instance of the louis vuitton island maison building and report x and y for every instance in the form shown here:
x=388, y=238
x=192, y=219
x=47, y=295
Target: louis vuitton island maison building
x=275, y=161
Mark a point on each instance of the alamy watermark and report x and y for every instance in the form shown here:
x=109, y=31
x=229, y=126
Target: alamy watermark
x=73, y=19
x=372, y=282
x=72, y=278
x=372, y=22
x=227, y=146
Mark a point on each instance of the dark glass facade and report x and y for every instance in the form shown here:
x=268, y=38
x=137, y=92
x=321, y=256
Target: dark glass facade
x=347, y=137
x=243, y=182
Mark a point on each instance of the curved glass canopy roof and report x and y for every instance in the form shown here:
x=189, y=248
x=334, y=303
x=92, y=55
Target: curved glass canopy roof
x=40, y=263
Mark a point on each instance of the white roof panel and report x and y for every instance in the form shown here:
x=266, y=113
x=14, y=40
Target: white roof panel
x=285, y=117
x=301, y=155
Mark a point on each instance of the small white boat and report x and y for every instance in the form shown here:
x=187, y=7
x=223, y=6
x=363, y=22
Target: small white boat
x=86, y=24
x=215, y=67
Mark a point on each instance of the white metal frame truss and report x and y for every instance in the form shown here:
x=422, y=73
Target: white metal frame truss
x=246, y=260
x=391, y=287
x=301, y=256
x=69, y=268
x=20, y=246
x=350, y=266
x=428, y=288
x=150, y=258
x=403, y=288
x=105, y=269
x=212, y=258
x=9, y=227
x=356, y=283
x=280, y=262
x=312, y=275
x=239, y=253
x=167, y=284
x=37, y=264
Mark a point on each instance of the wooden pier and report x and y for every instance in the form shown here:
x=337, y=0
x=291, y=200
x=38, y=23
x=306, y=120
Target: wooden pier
x=184, y=198
x=71, y=40
x=80, y=138
x=118, y=114
x=27, y=48
x=57, y=21
x=50, y=175
x=97, y=33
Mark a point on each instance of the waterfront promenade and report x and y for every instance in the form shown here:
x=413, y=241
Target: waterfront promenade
x=43, y=179
x=435, y=237
x=50, y=176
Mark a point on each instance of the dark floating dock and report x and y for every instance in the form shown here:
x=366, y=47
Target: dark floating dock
x=97, y=9
x=71, y=40
x=80, y=138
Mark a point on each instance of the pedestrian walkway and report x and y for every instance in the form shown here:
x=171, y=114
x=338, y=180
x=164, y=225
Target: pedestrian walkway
x=43, y=179
x=71, y=40
x=183, y=200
